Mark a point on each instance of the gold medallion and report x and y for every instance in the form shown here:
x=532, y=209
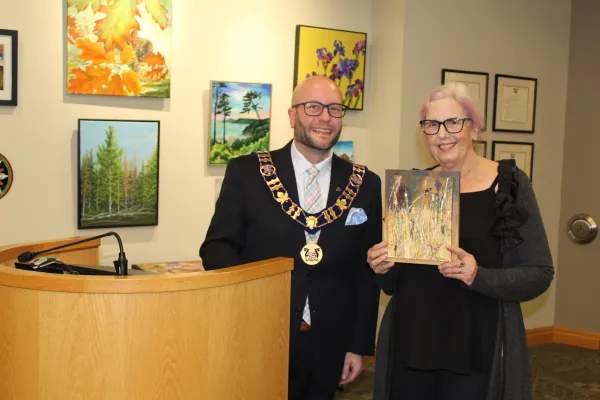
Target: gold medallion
x=311, y=254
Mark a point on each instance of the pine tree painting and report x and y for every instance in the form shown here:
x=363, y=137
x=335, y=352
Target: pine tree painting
x=118, y=173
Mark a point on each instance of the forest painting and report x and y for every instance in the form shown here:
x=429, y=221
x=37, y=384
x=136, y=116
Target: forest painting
x=339, y=55
x=118, y=173
x=119, y=47
x=240, y=119
x=421, y=215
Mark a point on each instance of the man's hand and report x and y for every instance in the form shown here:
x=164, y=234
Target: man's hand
x=353, y=366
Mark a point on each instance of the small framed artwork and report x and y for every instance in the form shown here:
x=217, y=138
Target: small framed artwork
x=118, y=164
x=9, y=50
x=240, y=119
x=521, y=152
x=514, y=104
x=476, y=82
x=6, y=176
x=480, y=148
x=345, y=150
x=421, y=215
x=339, y=55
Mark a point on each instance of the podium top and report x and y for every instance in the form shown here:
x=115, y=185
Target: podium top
x=87, y=253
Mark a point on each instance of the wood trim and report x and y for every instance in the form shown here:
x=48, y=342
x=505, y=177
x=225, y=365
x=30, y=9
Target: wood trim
x=563, y=335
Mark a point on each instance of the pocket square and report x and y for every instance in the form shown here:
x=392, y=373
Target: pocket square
x=356, y=216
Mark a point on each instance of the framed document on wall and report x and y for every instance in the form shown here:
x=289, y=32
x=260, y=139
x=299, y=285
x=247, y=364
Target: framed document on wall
x=421, y=215
x=480, y=148
x=514, y=104
x=521, y=152
x=476, y=82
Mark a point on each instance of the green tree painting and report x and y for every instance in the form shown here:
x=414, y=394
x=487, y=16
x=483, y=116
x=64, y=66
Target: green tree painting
x=118, y=173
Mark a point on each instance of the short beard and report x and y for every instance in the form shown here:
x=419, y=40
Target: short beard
x=302, y=135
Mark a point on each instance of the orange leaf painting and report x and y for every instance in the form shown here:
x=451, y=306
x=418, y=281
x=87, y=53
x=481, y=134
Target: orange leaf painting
x=119, y=47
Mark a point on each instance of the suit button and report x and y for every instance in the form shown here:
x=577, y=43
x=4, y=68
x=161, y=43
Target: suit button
x=298, y=310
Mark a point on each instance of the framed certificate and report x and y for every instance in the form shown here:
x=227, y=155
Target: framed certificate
x=476, y=82
x=480, y=148
x=514, y=104
x=421, y=215
x=521, y=152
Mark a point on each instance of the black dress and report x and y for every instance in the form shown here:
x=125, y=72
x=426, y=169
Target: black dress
x=438, y=323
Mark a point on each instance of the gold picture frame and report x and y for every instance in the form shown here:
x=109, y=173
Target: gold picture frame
x=421, y=215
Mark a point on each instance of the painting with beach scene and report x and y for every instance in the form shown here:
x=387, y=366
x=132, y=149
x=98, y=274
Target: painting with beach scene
x=339, y=55
x=345, y=150
x=240, y=119
x=421, y=215
x=118, y=173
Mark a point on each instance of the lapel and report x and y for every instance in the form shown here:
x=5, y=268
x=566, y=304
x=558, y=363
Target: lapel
x=282, y=159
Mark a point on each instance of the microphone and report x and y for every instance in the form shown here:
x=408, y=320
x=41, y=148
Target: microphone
x=120, y=263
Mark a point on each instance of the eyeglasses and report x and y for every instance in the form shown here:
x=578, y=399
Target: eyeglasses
x=452, y=125
x=314, y=108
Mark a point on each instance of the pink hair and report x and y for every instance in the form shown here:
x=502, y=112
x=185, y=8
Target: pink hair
x=460, y=93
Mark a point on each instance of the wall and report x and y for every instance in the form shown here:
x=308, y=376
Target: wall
x=577, y=289
x=524, y=38
x=237, y=41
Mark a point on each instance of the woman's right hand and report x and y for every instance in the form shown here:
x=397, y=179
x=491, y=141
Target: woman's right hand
x=377, y=258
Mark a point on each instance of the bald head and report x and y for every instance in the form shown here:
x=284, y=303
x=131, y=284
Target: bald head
x=317, y=88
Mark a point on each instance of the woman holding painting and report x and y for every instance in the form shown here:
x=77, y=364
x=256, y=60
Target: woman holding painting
x=456, y=331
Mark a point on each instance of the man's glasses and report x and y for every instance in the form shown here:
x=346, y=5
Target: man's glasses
x=314, y=109
x=452, y=125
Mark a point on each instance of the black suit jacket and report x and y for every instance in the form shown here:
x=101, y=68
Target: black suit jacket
x=249, y=225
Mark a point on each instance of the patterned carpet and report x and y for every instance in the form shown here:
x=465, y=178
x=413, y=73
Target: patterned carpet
x=559, y=373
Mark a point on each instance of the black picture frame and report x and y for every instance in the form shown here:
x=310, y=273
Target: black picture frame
x=471, y=78
x=9, y=39
x=354, y=101
x=120, y=186
x=524, y=149
x=512, y=120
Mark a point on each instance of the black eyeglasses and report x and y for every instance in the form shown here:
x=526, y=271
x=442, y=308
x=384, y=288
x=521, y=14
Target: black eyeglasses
x=452, y=125
x=314, y=108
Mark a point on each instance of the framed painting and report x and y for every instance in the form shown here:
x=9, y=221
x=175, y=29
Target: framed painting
x=476, y=82
x=521, y=152
x=6, y=176
x=480, y=148
x=117, y=173
x=340, y=55
x=119, y=47
x=240, y=119
x=514, y=104
x=345, y=150
x=421, y=215
x=9, y=50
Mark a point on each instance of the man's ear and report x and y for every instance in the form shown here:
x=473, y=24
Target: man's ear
x=292, y=115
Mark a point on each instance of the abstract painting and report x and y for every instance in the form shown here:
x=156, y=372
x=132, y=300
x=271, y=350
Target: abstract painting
x=8, y=67
x=344, y=150
x=118, y=173
x=421, y=215
x=240, y=119
x=339, y=55
x=119, y=47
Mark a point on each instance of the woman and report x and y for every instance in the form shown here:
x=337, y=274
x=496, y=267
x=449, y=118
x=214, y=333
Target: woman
x=456, y=331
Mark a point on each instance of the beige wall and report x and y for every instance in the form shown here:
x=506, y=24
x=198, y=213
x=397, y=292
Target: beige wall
x=579, y=276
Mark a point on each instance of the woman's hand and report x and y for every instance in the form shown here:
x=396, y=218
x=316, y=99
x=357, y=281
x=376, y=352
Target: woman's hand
x=464, y=268
x=377, y=258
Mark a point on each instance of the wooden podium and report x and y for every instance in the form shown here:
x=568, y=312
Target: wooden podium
x=204, y=335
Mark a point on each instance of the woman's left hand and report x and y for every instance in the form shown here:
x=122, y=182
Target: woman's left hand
x=464, y=268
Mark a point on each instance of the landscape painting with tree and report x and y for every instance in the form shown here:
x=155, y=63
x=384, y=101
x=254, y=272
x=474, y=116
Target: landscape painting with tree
x=118, y=173
x=421, y=215
x=119, y=47
x=240, y=119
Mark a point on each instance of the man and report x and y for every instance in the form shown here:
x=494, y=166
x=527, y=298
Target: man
x=329, y=220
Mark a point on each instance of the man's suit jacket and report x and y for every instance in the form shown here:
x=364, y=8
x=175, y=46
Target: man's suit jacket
x=249, y=225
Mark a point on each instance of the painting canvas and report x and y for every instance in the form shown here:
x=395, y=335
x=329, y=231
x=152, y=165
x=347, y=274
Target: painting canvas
x=340, y=55
x=421, y=215
x=240, y=119
x=8, y=67
x=119, y=47
x=118, y=173
x=345, y=150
